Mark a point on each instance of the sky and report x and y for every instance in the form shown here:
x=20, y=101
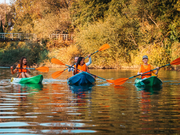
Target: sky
x=7, y=1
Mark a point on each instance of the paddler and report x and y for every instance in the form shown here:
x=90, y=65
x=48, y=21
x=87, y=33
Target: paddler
x=80, y=66
x=21, y=69
x=146, y=67
x=75, y=61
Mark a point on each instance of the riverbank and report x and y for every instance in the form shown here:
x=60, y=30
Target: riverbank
x=93, y=66
x=40, y=55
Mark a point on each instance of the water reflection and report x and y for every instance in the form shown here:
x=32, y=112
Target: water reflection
x=80, y=89
x=56, y=108
x=150, y=90
x=81, y=94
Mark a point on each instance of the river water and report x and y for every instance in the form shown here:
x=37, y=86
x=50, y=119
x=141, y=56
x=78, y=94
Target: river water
x=56, y=108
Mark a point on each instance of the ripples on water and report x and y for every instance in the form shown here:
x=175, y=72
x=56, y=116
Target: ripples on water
x=56, y=108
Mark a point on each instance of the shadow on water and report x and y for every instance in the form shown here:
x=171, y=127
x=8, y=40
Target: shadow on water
x=80, y=89
x=151, y=90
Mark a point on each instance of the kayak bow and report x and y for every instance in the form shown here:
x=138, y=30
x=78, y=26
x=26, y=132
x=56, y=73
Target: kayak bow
x=30, y=80
x=82, y=78
x=152, y=81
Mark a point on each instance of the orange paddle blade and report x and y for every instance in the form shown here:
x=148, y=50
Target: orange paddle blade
x=104, y=47
x=42, y=69
x=57, y=74
x=110, y=81
x=175, y=62
x=120, y=81
x=56, y=61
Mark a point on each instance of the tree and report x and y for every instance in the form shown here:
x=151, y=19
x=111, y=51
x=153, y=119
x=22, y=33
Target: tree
x=88, y=11
x=1, y=28
x=42, y=17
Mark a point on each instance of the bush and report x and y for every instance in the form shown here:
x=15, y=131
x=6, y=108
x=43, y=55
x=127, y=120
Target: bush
x=13, y=52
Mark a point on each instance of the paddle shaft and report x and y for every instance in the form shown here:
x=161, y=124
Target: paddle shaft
x=92, y=53
x=150, y=71
x=18, y=68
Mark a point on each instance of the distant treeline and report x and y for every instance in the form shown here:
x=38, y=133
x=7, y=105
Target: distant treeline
x=132, y=28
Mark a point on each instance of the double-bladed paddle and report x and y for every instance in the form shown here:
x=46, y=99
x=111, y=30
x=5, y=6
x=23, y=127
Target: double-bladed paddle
x=56, y=61
x=41, y=69
x=121, y=81
x=102, y=48
x=58, y=73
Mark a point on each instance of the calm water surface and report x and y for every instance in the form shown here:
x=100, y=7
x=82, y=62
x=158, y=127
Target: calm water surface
x=56, y=108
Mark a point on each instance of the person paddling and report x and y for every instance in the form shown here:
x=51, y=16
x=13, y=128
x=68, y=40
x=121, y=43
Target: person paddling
x=146, y=67
x=80, y=66
x=75, y=61
x=21, y=69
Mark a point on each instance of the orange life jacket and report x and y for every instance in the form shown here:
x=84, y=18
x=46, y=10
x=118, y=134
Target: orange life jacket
x=82, y=68
x=23, y=68
x=146, y=75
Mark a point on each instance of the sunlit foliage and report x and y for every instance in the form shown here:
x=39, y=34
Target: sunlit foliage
x=132, y=28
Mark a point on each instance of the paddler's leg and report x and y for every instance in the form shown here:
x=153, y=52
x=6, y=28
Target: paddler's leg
x=27, y=75
x=20, y=75
x=23, y=75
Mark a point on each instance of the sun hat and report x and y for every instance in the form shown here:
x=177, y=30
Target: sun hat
x=145, y=57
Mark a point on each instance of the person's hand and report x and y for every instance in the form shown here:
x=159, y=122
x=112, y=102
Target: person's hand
x=140, y=73
x=89, y=55
x=11, y=67
x=157, y=68
x=69, y=69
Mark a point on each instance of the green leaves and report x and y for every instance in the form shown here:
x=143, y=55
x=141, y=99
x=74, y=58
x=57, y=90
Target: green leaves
x=131, y=27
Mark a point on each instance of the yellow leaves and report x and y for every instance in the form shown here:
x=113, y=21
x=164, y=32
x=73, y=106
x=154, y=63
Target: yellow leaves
x=66, y=54
x=157, y=54
x=178, y=5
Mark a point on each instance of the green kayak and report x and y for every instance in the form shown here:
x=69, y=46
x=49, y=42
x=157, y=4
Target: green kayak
x=152, y=81
x=30, y=80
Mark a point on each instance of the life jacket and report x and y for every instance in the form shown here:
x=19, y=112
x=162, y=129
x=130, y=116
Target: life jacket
x=146, y=75
x=82, y=68
x=22, y=70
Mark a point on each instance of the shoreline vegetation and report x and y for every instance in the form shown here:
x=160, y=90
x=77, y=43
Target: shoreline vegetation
x=132, y=28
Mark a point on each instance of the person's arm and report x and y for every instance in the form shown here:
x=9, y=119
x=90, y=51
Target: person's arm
x=90, y=61
x=71, y=68
x=13, y=71
x=87, y=70
x=28, y=70
x=155, y=71
x=74, y=71
x=139, y=71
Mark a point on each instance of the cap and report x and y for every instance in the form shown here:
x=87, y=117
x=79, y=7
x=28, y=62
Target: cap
x=145, y=57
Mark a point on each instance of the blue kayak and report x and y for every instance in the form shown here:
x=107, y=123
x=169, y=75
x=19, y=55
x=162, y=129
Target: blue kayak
x=82, y=78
